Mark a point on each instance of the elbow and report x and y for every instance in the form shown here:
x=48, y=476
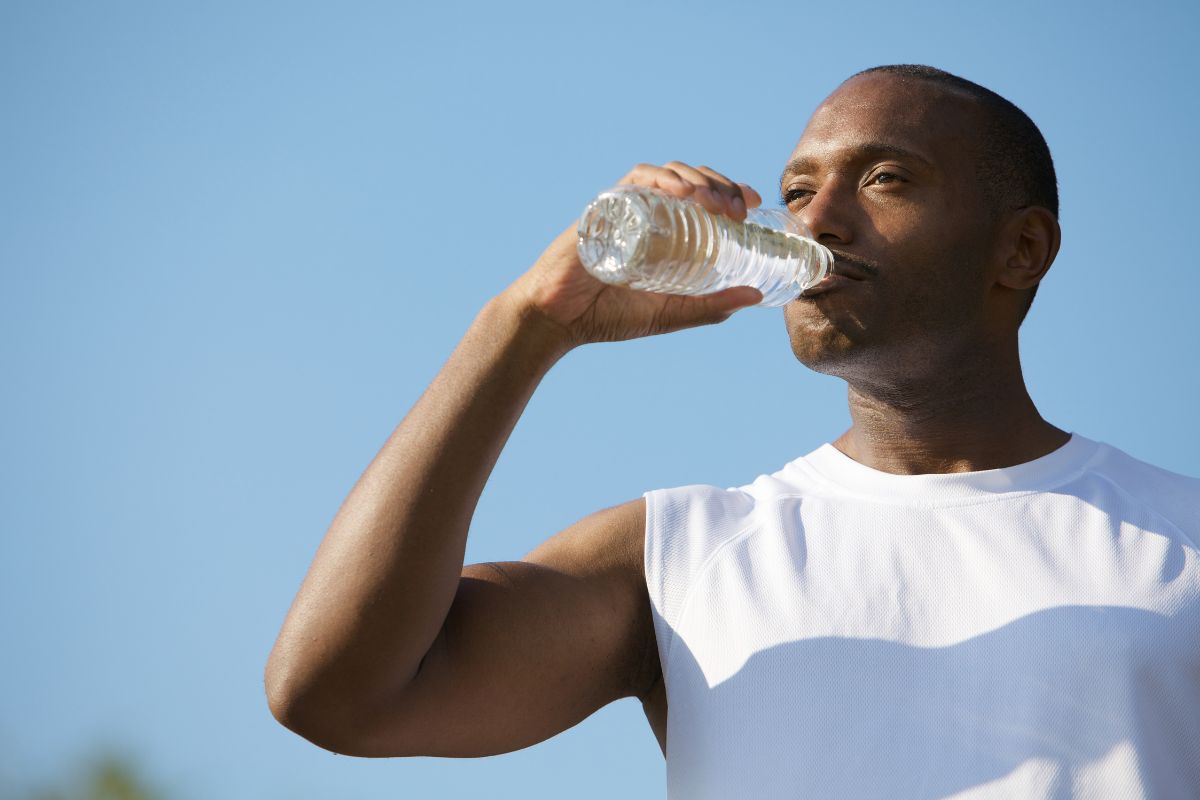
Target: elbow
x=304, y=714
x=285, y=705
x=308, y=722
x=332, y=724
x=297, y=719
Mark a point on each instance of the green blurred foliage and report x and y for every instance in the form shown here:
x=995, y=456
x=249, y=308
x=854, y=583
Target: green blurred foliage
x=106, y=778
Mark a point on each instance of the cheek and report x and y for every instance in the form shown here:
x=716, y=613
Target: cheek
x=946, y=291
x=925, y=259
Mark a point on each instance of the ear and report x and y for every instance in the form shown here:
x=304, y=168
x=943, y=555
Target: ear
x=1031, y=239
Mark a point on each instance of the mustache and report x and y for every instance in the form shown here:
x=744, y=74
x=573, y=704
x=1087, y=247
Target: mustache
x=840, y=257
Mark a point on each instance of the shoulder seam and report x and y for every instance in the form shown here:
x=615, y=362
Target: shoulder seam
x=1141, y=503
x=701, y=571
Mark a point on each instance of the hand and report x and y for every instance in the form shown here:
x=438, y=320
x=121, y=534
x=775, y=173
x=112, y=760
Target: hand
x=584, y=309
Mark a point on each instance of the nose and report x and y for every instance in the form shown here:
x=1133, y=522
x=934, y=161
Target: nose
x=828, y=214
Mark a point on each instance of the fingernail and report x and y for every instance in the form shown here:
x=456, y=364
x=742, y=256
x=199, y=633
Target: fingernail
x=739, y=206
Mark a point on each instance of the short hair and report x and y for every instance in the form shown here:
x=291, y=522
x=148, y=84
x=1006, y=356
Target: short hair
x=1014, y=166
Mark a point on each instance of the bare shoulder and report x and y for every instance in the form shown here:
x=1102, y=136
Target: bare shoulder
x=606, y=549
x=607, y=543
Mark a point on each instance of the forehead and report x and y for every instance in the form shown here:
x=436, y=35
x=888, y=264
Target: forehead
x=879, y=112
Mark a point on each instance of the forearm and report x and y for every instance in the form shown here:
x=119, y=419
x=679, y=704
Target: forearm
x=384, y=577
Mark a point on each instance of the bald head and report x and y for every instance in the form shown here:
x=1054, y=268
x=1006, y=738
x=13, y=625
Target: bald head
x=1013, y=162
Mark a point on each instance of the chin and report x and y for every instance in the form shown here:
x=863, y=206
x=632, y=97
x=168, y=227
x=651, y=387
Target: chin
x=837, y=363
x=822, y=345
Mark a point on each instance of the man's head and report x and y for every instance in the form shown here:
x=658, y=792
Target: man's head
x=941, y=196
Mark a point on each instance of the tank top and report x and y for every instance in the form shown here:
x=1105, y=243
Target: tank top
x=832, y=631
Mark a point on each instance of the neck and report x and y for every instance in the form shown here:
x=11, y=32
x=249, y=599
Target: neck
x=963, y=419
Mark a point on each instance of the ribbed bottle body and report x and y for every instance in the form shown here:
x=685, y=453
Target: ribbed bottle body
x=647, y=239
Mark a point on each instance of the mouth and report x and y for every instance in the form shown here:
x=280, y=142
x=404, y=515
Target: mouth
x=847, y=270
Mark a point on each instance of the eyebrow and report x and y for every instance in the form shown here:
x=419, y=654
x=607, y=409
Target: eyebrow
x=868, y=150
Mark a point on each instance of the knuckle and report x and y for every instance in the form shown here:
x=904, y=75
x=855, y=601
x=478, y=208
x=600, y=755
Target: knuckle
x=641, y=173
x=718, y=180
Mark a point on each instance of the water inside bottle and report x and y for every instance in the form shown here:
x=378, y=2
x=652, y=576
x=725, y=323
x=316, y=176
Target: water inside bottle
x=654, y=242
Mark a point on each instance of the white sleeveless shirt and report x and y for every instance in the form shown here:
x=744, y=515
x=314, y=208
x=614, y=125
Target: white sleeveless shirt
x=831, y=631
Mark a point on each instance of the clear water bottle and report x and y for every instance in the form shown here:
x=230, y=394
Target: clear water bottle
x=647, y=239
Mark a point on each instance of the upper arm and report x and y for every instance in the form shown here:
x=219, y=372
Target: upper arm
x=530, y=648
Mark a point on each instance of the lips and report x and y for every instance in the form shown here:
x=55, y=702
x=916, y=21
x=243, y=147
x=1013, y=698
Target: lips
x=846, y=271
x=852, y=267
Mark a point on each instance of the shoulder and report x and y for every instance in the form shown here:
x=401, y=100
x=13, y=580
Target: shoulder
x=1171, y=495
x=700, y=517
x=1144, y=480
x=708, y=502
x=687, y=525
x=593, y=580
x=605, y=544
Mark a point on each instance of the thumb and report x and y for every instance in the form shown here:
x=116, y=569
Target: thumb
x=727, y=301
x=708, y=309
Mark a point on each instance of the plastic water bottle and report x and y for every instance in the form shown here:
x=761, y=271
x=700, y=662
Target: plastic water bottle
x=647, y=239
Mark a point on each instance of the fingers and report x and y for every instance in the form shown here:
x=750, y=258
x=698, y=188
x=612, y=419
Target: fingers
x=753, y=198
x=714, y=191
x=660, y=178
x=704, y=185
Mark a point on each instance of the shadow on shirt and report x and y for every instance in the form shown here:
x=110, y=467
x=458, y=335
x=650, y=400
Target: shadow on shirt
x=1037, y=700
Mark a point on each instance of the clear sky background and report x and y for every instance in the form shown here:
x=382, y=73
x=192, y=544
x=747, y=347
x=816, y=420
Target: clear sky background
x=238, y=239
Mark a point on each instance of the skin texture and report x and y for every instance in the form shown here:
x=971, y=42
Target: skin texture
x=393, y=647
x=927, y=341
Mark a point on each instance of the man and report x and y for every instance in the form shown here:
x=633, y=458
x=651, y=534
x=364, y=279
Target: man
x=955, y=598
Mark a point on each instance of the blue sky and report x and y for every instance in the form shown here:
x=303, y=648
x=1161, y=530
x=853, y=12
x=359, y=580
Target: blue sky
x=237, y=240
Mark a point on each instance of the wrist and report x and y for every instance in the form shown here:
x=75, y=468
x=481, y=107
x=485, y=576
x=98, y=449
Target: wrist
x=535, y=336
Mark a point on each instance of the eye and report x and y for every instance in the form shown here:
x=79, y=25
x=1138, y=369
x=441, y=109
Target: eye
x=790, y=196
x=885, y=177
